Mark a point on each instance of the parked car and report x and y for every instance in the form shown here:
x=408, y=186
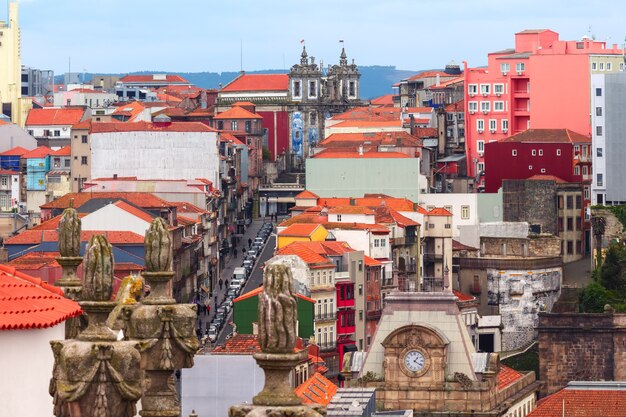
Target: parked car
x=221, y=310
x=212, y=334
x=248, y=264
x=217, y=322
x=232, y=293
x=259, y=239
x=252, y=254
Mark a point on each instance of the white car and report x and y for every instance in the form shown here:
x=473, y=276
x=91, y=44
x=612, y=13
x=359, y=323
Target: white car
x=212, y=334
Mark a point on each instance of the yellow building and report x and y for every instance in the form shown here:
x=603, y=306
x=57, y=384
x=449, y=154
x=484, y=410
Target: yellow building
x=301, y=232
x=11, y=67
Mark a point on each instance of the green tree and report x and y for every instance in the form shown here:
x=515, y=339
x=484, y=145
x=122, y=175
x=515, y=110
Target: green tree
x=266, y=154
x=613, y=268
x=593, y=298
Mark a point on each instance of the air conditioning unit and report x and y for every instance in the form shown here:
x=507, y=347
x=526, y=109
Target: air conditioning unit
x=472, y=94
x=485, y=94
x=505, y=130
x=485, y=112
x=498, y=94
x=480, y=154
x=520, y=72
x=505, y=73
x=472, y=112
x=493, y=130
x=481, y=130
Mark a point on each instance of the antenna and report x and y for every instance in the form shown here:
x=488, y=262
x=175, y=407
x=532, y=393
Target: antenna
x=241, y=55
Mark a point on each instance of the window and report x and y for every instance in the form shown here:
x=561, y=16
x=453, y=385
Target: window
x=504, y=68
x=352, y=89
x=233, y=125
x=312, y=89
x=599, y=180
x=83, y=138
x=601, y=66
x=485, y=106
x=83, y=160
x=598, y=130
x=465, y=212
x=579, y=202
x=493, y=125
x=57, y=133
x=383, y=243
x=480, y=125
x=530, y=167
x=570, y=224
x=498, y=89
x=594, y=66
x=297, y=89
x=313, y=118
x=577, y=170
x=534, y=152
x=514, y=152
x=472, y=106
x=505, y=125
x=472, y=89
x=558, y=152
x=569, y=202
x=540, y=152
x=67, y=162
x=599, y=152
x=481, y=167
x=598, y=92
x=498, y=106
x=339, y=217
x=586, y=193
x=480, y=145
x=598, y=111
x=220, y=125
x=621, y=66
x=5, y=181
x=520, y=67
x=584, y=169
x=484, y=89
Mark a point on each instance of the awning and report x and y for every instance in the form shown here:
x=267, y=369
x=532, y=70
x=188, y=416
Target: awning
x=350, y=348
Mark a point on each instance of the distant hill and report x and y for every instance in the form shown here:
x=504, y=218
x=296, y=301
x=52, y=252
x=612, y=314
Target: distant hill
x=376, y=80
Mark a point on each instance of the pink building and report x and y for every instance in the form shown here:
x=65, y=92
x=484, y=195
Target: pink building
x=543, y=83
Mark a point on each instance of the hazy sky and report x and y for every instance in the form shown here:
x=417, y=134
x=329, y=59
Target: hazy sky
x=205, y=35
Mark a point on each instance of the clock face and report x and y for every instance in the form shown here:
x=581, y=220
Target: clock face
x=414, y=360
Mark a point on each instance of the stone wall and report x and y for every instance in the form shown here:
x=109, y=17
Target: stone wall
x=581, y=347
x=540, y=246
x=531, y=201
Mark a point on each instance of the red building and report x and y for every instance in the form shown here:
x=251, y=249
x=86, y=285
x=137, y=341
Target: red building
x=541, y=83
x=345, y=316
x=558, y=152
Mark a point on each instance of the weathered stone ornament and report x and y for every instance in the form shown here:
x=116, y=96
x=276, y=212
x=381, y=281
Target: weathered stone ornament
x=165, y=330
x=277, y=337
x=95, y=375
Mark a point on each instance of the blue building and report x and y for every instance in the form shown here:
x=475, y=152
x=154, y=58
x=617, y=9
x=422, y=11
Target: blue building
x=37, y=166
x=10, y=160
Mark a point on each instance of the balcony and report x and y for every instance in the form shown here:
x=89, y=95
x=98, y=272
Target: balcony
x=432, y=284
x=430, y=257
x=374, y=314
x=327, y=347
x=325, y=317
x=345, y=330
x=406, y=240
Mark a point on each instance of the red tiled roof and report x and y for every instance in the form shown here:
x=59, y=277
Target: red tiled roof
x=369, y=123
x=184, y=207
x=8, y=172
x=257, y=291
x=299, y=230
x=143, y=215
x=307, y=254
x=387, y=215
x=548, y=136
x=185, y=221
x=386, y=100
x=84, y=125
x=466, y=297
x=307, y=194
x=150, y=78
x=350, y=210
x=545, y=177
x=40, y=152
x=447, y=83
x=151, y=127
x=371, y=261
x=459, y=106
x=54, y=116
x=506, y=376
x=456, y=245
x=239, y=344
x=35, y=260
x=371, y=201
x=430, y=74
x=229, y=137
x=53, y=223
x=30, y=303
x=331, y=154
x=143, y=200
x=425, y=132
x=439, y=211
x=258, y=82
x=17, y=151
x=316, y=390
x=571, y=402
x=64, y=151
x=398, y=138
x=323, y=220
x=37, y=236
x=237, y=112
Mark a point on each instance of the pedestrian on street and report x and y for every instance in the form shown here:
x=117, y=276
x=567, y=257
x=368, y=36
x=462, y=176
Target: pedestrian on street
x=249, y=243
x=235, y=252
x=226, y=282
x=220, y=282
x=215, y=300
x=243, y=253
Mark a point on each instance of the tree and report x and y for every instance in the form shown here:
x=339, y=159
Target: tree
x=613, y=268
x=593, y=298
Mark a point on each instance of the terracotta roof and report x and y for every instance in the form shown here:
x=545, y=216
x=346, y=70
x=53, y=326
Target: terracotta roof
x=150, y=79
x=299, y=230
x=30, y=303
x=316, y=390
x=54, y=116
x=84, y=125
x=308, y=255
x=8, y=172
x=371, y=114
x=151, y=127
x=456, y=245
x=143, y=200
x=447, y=83
x=229, y=137
x=37, y=236
x=185, y=221
x=459, y=106
x=257, y=291
x=330, y=154
x=53, y=223
x=64, y=151
x=371, y=261
x=17, y=151
x=137, y=212
x=572, y=402
x=425, y=132
x=371, y=201
x=386, y=100
x=184, y=207
x=307, y=194
x=40, y=152
x=35, y=260
x=430, y=74
x=350, y=210
x=237, y=112
x=323, y=220
x=439, y=211
x=239, y=344
x=258, y=82
x=387, y=215
x=466, y=297
x=545, y=177
x=548, y=136
x=506, y=376
x=368, y=123
x=352, y=140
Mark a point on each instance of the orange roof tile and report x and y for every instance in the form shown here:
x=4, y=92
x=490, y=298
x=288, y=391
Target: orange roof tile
x=137, y=212
x=257, y=291
x=456, y=245
x=84, y=125
x=309, y=256
x=307, y=194
x=64, y=151
x=150, y=127
x=429, y=74
x=398, y=138
x=53, y=223
x=350, y=210
x=17, y=151
x=387, y=215
x=150, y=79
x=316, y=390
x=571, y=402
x=545, y=177
x=330, y=154
x=369, y=123
x=239, y=344
x=299, y=230
x=229, y=137
x=371, y=261
x=506, y=376
x=466, y=297
x=35, y=260
x=386, y=100
x=237, y=112
x=54, y=116
x=184, y=207
x=185, y=221
x=37, y=236
x=30, y=303
x=258, y=82
x=143, y=200
x=323, y=220
x=548, y=136
x=439, y=211
x=459, y=106
x=40, y=152
x=371, y=200
x=447, y=83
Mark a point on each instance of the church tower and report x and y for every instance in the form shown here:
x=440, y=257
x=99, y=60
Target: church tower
x=343, y=82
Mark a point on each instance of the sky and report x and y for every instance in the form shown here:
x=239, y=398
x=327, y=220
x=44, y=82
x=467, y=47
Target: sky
x=119, y=36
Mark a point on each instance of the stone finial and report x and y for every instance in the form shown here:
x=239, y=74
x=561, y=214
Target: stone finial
x=158, y=247
x=343, y=58
x=98, y=270
x=69, y=233
x=277, y=311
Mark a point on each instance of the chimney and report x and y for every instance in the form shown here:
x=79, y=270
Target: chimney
x=114, y=176
x=437, y=79
x=361, y=150
x=162, y=121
